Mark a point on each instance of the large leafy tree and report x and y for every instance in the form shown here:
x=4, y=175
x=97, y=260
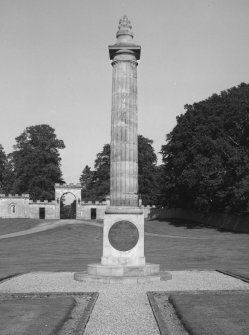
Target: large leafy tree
x=101, y=175
x=86, y=180
x=6, y=173
x=96, y=183
x=36, y=161
x=206, y=156
x=147, y=171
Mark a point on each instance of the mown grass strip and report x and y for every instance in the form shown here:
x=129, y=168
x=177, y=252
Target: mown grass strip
x=49, y=312
x=213, y=313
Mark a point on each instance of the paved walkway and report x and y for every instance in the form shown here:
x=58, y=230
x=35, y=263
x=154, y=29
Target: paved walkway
x=59, y=223
x=122, y=309
x=48, y=225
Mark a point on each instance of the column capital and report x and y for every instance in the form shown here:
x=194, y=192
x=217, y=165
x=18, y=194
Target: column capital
x=117, y=61
x=124, y=49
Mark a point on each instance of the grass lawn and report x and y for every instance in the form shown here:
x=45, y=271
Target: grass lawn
x=66, y=248
x=41, y=316
x=205, y=248
x=209, y=314
x=8, y=226
x=72, y=247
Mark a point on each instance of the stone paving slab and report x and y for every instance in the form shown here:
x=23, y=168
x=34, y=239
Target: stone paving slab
x=122, y=309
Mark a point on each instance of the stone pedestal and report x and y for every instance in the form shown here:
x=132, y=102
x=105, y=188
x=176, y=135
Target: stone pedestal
x=123, y=239
x=123, y=258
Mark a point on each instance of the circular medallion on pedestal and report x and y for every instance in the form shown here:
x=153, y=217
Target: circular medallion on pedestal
x=123, y=235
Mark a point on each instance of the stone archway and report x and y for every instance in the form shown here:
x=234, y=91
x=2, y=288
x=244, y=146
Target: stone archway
x=68, y=206
x=75, y=190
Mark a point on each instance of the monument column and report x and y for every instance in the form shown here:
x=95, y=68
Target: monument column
x=123, y=242
x=123, y=233
x=124, y=151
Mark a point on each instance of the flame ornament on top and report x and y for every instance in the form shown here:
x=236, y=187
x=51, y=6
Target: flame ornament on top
x=125, y=27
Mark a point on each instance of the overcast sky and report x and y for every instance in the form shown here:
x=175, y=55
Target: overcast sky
x=55, y=69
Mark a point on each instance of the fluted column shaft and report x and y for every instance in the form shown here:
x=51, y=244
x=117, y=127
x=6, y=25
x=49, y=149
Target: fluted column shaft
x=124, y=150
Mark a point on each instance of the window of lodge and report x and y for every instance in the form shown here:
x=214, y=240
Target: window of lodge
x=12, y=208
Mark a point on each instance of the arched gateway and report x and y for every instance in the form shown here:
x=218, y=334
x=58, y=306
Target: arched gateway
x=60, y=190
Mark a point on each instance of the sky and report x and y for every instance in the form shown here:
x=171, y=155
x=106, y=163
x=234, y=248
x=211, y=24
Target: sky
x=55, y=67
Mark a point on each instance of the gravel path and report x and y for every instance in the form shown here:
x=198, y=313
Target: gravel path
x=58, y=223
x=121, y=309
x=48, y=225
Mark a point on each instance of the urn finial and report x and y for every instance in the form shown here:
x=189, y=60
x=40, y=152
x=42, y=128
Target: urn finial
x=124, y=33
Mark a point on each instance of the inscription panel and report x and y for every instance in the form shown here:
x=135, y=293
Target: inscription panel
x=123, y=235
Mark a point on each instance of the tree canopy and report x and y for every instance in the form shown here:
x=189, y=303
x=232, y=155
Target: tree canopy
x=6, y=173
x=36, y=162
x=206, y=157
x=96, y=183
x=86, y=179
x=147, y=171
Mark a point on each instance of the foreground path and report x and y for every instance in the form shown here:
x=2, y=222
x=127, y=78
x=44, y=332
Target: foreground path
x=46, y=226
x=122, y=309
x=59, y=223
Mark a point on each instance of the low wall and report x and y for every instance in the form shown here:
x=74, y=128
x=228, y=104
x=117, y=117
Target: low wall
x=86, y=208
x=49, y=208
x=236, y=223
x=14, y=206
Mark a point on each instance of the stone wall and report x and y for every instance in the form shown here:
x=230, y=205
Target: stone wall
x=100, y=207
x=20, y=206
x=14, y=206
x=86, y=209
x=49, y=207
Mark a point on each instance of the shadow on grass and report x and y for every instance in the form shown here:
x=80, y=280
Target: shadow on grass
x=185, y=223
x=189, y=224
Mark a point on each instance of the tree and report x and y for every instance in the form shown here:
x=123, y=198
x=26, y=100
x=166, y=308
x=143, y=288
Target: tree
x=6, y=173
x=86, y=180
x=206, y=157
x=36, y=162
x=101, y=175
x=96, y=183
x=67, y=210
x=147, y=171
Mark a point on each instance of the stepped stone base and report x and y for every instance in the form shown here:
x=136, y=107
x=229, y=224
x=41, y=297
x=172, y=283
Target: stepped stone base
x=108, y=274
x=122, y=270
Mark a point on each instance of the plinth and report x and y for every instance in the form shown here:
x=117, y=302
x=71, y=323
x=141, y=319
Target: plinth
x=123, y=258
x=123, y=236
